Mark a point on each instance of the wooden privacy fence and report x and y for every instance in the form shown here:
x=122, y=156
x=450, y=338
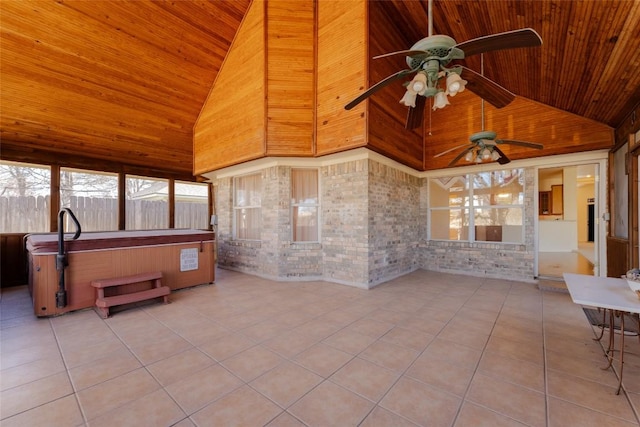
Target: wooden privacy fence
x=24, y=214
x=30, y=214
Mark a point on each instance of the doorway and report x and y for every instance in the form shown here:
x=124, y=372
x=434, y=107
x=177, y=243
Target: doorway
x=567, y=221
x=591, y=216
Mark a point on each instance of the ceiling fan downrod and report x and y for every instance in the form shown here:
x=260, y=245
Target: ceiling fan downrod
x=430, y=17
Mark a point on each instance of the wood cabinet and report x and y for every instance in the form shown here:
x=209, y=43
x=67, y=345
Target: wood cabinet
x=551, y=202
x=556, y=200
x=544, y=203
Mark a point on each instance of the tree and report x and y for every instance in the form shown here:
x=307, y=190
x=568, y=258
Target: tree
x=86, y=184
x=19, y=180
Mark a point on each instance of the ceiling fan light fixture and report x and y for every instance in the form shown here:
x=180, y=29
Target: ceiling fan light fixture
x=495, y=155
x=486, y=154
x=455, y=84
x=409, y=98
x=440, y=101
x=419, y=83
x=469, y=156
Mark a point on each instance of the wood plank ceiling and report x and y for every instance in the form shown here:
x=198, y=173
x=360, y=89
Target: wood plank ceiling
x=588, y=64
x=124, y=81
x=116, y=80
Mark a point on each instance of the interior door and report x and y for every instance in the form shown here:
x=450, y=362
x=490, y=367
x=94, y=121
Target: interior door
x=590, y=222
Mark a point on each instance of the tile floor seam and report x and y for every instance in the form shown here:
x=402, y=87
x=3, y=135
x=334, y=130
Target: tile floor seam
x=347, y=390
x=453, y=421
x=39, y=406
x=142, y=366
x=123, y=341
x=180, y=334
x=34, y=380
x=545, y=362
x=405, y=373
x=183, y=351
x=623, y=389
x=587, y=378
x=549, y=395
x=190, y=413
x=285, y=409
x=328, y=378
x=590, y=408
x=499, y=413
x=128, y=403
x=64, y=361
x=477, y=364
x=299, y=398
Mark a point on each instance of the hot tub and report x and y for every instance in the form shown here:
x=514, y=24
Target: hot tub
x=185, y=258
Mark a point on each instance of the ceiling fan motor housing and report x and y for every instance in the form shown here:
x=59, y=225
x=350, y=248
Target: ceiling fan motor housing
x=479, y=136
x=438, y=46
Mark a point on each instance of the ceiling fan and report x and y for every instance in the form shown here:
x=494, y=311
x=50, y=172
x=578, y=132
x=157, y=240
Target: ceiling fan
x=428, y=60
x=485, y=146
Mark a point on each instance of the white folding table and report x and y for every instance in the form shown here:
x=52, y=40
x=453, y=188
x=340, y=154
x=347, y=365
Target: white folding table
x=610, y=294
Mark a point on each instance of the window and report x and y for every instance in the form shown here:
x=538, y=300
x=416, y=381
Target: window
x=487, y=206
x=498, y=200
x=247, y=202
x=24, y=198
x=449, y=202
x=304, y=205
x=147, y=205
x=192, y=205
x=93, y=198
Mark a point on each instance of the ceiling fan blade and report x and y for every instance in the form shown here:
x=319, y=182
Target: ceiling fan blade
x=520, y=143
x=401, y=52
x=487, y=89
x=503, y=160
x=526, y=37
x=373, y=89
x=454, y=149
x=415, y=116
x=461, y=154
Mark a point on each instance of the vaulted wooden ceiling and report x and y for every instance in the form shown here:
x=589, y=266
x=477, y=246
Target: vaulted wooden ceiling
x=125, y=80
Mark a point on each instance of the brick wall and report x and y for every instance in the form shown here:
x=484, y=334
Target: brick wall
x=373, y=228
x=394, y=222
x=345, y=228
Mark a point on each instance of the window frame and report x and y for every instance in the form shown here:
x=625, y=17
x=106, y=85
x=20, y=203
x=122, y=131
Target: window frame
x=76, y=192
x=470, y=208
x=131, y=201
x=315, y=205
x=235, y=209
x=42, y=198
x=177, y=199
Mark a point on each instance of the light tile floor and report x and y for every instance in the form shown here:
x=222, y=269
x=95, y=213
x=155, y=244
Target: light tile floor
x=554, y=264
x=427, y=349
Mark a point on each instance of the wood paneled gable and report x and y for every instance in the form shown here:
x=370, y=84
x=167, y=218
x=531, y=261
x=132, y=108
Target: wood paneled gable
x=341, y=75
x=290, y=77
x=560, y=132
x=231, y=125
x=262, y=103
